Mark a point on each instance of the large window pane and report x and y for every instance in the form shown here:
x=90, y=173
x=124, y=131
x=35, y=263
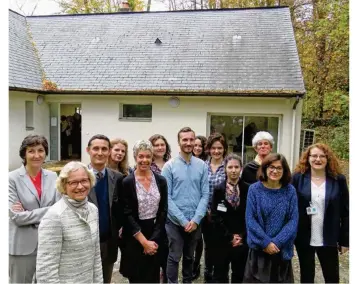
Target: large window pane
x=254, y=124
x=240, y=130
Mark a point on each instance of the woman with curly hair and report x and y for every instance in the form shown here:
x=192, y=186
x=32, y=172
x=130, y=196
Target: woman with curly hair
x=323, y=205
x=118, y=159
x=199, y=150
x=162, y=152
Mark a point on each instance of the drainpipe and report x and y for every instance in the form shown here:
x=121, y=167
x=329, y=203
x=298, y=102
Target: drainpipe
x=294, y=129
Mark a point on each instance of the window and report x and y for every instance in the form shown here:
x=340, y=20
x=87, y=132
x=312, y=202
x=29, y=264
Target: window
x=136, y=112
x=29, y=115
x=240, y=130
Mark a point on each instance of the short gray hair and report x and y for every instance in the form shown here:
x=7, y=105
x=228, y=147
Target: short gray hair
x=262, y=135
x=72, y=167
x=142, y=145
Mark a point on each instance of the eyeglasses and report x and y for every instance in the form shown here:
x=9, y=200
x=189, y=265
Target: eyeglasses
x=315, y=157
x=75, y=183
x=278, y=169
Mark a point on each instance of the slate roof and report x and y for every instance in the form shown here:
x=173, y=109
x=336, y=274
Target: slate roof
x=24, y=69
x=214, y=51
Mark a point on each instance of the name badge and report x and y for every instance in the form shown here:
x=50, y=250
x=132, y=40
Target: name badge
x=221, y=207
x=311, y=210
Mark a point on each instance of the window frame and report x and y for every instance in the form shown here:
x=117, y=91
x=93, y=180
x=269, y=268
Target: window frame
x=139, y=119
x=244, y=115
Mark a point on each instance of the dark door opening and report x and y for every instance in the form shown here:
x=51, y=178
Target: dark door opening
x=70, y=132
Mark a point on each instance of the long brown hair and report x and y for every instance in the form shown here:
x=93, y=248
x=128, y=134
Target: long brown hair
x=122, y=166
x=332, y=169
x=167, y=154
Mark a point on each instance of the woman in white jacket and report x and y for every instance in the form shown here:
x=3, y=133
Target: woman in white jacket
x=68, y=235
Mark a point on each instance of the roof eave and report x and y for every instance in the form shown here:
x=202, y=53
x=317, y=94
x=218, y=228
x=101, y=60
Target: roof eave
x=182, y=93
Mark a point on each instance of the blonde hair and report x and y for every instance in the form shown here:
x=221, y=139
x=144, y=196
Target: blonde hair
x=123, y=165
x=69, y=168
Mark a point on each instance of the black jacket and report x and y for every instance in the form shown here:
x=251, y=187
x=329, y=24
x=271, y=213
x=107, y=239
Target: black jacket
x=233, y=221
x=336, y=215
x=131, y=249
x=249, y=172
x=111, y=245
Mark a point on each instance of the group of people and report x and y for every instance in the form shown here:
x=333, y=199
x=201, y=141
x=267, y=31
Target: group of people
x=70, y=136
x=69, y=228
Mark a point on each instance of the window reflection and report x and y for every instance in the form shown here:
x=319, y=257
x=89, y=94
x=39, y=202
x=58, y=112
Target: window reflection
x=240, y=130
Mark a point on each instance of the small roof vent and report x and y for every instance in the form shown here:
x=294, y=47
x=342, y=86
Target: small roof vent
x=158, y=41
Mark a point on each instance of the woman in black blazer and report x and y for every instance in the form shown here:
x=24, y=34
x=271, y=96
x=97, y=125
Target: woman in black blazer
x=144, y=201
x=323, y=205
x=228, y=219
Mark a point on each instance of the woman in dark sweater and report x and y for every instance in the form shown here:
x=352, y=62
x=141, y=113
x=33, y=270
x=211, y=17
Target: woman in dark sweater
x=325, y=229
x=228, y=218
x=271, y=221
x=262, y=143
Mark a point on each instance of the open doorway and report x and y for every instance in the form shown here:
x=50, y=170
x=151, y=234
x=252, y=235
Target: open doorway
x=70, y=132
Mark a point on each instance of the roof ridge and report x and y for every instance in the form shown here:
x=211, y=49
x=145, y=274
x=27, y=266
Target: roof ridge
x=160, y=12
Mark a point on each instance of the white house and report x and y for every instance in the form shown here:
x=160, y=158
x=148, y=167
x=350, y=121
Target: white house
x=132, y=75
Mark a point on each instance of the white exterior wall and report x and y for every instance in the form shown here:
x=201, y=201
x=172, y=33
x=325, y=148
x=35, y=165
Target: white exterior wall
x=17, y=123
x=100, y=116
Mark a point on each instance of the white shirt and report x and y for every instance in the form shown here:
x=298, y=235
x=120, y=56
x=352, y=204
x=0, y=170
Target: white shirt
x=317, y=220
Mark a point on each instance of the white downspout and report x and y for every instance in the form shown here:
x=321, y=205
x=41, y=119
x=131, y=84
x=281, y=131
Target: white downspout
x=293, y=130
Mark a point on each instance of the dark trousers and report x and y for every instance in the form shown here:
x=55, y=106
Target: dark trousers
x=107, y=268
x=163, y=257
x=198, y=252
x=180, y=244
x=237, y=257
x=107, y=264
x=328, y=258
x=207, y=231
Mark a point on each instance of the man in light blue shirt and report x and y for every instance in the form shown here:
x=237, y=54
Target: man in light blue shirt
x=188, y=193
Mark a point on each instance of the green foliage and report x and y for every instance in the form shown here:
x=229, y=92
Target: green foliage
x=97, y=6
x=336, y=137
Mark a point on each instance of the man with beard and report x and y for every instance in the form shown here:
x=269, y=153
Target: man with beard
x=188, y=193
x=105, y=196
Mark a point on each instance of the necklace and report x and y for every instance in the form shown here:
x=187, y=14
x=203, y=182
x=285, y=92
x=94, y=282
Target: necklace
x=317, y=178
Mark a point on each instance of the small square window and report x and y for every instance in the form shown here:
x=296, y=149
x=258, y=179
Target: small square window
x=136, y=112
x=29, y=115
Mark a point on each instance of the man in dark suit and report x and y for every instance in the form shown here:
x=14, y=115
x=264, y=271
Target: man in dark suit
x=105, y=196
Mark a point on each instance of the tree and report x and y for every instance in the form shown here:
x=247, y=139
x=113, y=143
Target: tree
x=97, y=6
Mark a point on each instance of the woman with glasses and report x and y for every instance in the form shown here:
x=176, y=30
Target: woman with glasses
x=68, y=236
x=271, y=222
x=323, y=205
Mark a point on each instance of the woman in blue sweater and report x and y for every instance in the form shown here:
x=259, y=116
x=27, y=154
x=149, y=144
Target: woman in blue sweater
x=271, y=222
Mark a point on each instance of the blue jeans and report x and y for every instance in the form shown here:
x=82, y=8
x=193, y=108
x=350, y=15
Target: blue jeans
x=180, y=244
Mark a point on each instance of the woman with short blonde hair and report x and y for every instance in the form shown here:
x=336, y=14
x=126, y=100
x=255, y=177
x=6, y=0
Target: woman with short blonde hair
x=145, y=201
x=68, y=236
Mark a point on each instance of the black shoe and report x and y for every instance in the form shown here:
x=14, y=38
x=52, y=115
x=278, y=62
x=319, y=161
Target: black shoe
x=196, y=272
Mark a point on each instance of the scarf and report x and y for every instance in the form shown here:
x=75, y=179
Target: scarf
x=232, y=194
x=80, y=207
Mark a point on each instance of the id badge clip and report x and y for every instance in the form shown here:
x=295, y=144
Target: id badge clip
x=221, y=207
x=311, y=210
